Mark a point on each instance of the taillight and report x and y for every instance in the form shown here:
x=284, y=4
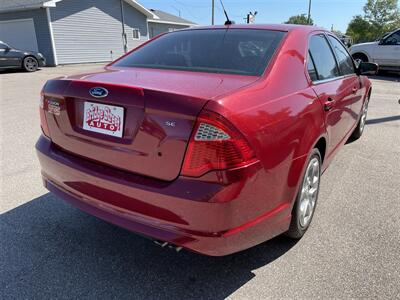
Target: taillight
x=215, y=144
x=43, y=121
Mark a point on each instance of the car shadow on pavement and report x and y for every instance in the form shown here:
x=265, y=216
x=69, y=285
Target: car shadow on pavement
x=11, y=71
x=49, y=249
x=386, y=77
x=382, y=120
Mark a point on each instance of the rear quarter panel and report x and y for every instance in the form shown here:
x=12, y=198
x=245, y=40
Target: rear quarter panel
x=281, y=117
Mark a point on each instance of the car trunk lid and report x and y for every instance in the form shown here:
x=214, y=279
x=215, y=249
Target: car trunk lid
x=159, y=111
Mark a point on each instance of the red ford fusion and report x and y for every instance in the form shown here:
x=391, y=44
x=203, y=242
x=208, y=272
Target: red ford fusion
x=212, y=139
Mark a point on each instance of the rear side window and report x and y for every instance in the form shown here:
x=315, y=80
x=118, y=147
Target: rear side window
x=323, y=58
x=232, y=51
x=311, y=68
x=345, y=61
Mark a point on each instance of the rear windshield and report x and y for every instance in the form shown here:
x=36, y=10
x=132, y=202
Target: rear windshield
x=231, y=51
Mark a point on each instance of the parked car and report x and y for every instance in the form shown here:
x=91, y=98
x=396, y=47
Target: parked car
x=213, y=139
x=11, y=58
x=385, y=52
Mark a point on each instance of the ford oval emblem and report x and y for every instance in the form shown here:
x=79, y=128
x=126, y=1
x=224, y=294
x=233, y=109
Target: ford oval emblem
x=98, y=92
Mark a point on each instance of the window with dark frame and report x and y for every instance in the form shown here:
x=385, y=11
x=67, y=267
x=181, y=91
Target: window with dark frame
x=344, y=59
x=393, y=39
x=4, y=45
x=312, y=71
x=236, y=51
x=136, y=33
x=323, y=58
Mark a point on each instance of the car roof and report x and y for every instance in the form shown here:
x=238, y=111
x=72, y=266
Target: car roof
x=277, y=27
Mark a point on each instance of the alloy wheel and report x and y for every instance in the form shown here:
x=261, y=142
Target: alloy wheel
x=30, y=64
x=309, y=192
x=364, y=116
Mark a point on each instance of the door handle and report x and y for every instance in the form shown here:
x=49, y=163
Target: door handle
x=329, y=104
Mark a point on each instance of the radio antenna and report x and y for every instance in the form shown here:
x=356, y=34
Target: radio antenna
x=227, y=22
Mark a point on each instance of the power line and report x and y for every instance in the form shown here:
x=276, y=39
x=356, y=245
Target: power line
x=187, y=10
x=191, y=5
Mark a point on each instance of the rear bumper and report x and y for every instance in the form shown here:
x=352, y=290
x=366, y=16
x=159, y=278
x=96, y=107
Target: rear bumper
x=185, y=212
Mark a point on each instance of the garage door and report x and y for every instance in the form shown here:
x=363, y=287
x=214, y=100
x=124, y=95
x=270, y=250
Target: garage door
x=20, y=34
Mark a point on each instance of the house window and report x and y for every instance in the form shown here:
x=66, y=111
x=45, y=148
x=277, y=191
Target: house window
x=136, y=33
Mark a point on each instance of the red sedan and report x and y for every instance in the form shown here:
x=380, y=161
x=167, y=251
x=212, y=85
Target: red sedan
x=213, y=139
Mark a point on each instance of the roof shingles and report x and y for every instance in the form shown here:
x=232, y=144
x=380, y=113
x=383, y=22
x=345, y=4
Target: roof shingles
x=11, y=4
x=166, y=17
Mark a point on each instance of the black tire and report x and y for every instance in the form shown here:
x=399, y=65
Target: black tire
x=30, y=64
x=358, y=131
x=296, y=229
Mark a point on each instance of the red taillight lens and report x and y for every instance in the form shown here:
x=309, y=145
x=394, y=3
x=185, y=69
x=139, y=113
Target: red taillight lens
x=215, y=144
x=43, y=121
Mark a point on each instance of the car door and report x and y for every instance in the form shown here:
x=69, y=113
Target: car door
x=352, y=87
x=3, y=62
x=332, y=89
x=9, y=57
x=387, y=53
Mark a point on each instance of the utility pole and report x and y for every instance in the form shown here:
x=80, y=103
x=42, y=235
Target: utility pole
x=124, y=41
x=212, y=12
x=309, y=12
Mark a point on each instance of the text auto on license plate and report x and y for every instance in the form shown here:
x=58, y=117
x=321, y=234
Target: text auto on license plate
x=102, y=118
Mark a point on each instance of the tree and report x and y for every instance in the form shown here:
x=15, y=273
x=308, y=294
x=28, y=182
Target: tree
x=383, y=15
x=360, y=30
x=380, y=16
x=299, y=19
x=338, y=33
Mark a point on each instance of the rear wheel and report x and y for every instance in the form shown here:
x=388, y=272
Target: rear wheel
x=307, y=196
x=358, y=131
x=30, y=64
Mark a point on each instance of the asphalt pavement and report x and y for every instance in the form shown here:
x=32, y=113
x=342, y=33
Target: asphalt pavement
x=49, y=249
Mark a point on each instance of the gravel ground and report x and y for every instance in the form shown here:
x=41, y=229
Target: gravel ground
x=49, y=249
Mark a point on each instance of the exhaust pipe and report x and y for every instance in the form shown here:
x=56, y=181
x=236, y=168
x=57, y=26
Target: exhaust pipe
x=163, y=244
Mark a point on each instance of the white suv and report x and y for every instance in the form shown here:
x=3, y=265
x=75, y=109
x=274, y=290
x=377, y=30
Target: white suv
x=385, y=52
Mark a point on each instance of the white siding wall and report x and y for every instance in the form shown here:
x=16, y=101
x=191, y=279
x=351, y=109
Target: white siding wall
x=158, y=28
x=87, y=30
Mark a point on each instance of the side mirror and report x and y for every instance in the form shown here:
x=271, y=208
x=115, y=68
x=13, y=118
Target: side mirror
x=367, y=68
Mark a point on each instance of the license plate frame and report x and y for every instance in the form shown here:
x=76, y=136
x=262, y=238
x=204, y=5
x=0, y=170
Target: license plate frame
x=103, y=118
